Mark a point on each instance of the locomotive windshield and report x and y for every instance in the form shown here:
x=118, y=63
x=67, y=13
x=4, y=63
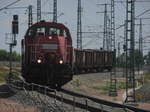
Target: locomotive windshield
x=51, y=31
x=54, y=32
x=40, y=31
x=36, y=31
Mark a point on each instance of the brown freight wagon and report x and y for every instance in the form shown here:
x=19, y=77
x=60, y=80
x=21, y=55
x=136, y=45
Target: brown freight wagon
x=89, y=60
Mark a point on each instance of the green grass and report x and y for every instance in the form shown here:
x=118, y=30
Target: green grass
x=101, y=86
x=4, y=71
x=104, y=87
x=3, y=76
x=121, y=85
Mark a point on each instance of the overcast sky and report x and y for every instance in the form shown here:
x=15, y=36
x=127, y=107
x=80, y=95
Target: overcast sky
x=91, y=20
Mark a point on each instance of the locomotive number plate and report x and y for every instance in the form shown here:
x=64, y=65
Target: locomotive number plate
x=49, y=46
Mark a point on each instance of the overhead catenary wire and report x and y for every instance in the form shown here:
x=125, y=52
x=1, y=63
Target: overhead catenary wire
x=135, y=17
x=16, y=7
x=142, y=13
x=10, y=5
x=91, y=41
x=5, y=2
x=136, y=1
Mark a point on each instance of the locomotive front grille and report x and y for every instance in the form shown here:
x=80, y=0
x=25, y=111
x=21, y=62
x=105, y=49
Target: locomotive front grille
x=50, y=46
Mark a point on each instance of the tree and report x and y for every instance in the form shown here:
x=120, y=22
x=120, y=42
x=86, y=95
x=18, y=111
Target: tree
x=5, y=56
x=139, y=60
x=147, y=58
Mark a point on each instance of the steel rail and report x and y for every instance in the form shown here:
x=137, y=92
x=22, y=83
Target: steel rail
x=107, y=103
x=17, y=84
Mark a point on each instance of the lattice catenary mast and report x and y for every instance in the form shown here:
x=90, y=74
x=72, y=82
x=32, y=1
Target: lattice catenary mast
x=105, y=29
x=55, y=11
x=140, y=50
x=38, y=10
x=79, y=25
x=113, y=80
x=129, y=50
x=30, y=17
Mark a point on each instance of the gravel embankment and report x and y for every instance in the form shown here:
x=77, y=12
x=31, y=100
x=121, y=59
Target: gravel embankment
x=9, y=105
x=143, y=93
x=27, y=101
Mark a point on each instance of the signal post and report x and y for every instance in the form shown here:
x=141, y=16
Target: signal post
x=13, y=42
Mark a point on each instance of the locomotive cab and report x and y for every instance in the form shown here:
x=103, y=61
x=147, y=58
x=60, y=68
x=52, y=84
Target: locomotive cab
x=47, y=54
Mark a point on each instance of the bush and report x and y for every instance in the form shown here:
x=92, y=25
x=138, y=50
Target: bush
x=147, y=78
x=5, y=56
x=122, y=85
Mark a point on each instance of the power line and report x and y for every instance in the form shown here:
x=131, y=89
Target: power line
x=5, y=2
x=135, y=16
x=16, y=7
x=45, y=3
x=142, y=13
x=89, y=42
x=106, y=33
x=135, y=1
x=121, y=3
x=9, y=5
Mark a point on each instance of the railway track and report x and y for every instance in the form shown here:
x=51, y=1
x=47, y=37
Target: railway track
x=69, y=99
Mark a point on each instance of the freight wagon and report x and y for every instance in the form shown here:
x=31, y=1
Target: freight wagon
x=89, y=60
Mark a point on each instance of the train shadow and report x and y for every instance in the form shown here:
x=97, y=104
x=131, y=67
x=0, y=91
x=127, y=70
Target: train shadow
x=91, y=72
x=5, y=91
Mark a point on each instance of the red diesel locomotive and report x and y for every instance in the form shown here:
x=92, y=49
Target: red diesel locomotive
x=48, y=56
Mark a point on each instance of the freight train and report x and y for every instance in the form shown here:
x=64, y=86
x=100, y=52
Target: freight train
x=49, y=58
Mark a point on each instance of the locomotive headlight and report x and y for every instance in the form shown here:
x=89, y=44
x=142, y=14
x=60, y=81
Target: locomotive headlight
x=61, y=61
x=50, y=37
x=39, y=61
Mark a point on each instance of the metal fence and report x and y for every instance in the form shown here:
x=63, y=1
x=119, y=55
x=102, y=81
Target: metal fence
x=27, y=96
x=44, y=99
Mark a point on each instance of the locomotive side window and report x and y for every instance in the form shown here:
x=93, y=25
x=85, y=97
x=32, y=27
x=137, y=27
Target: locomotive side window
x=54, y=32
x=40, y=31
x=65, y=34
x=31, y=32
x=36, y=31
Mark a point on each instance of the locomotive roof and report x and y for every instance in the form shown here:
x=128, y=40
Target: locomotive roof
x=51, y=24
x=93, y=50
